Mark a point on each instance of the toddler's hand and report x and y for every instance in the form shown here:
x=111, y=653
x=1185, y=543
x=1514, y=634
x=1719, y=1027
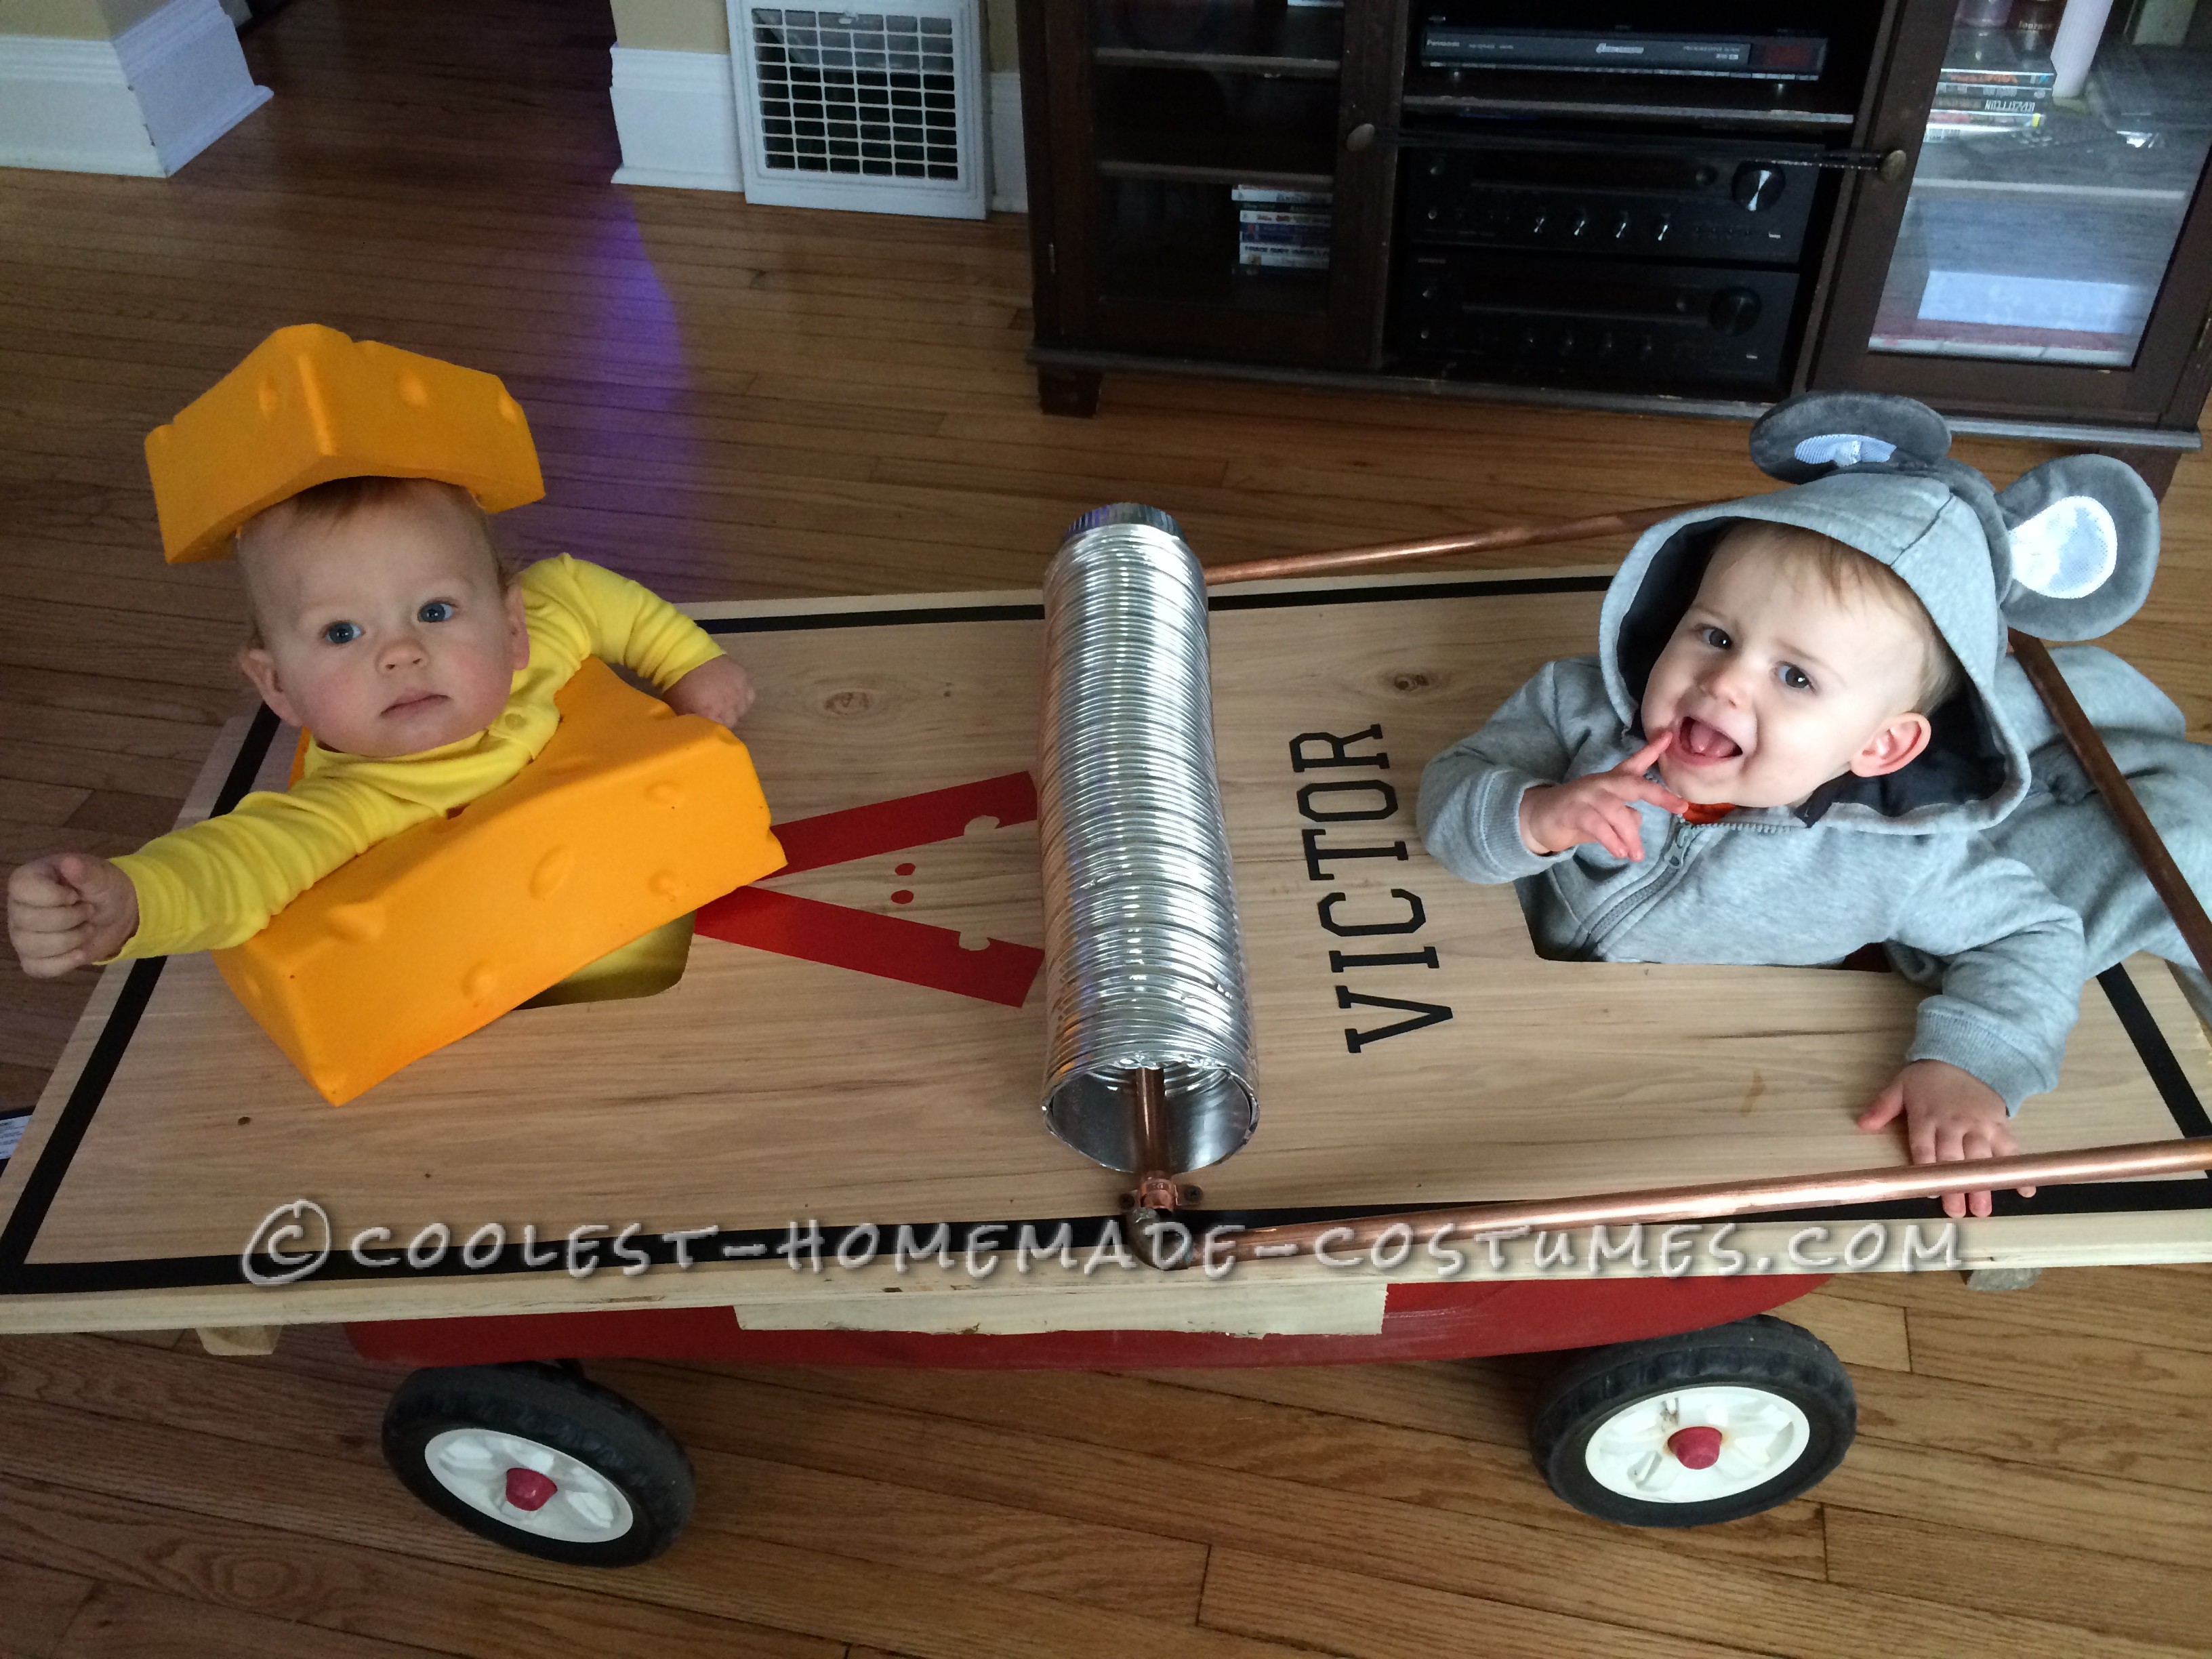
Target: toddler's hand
x=719, y=689
x=1598, y=808
x=1951, y=1116
x=67, y=909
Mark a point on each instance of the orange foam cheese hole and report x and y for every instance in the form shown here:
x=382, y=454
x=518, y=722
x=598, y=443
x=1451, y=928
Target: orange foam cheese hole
x=630, y=817
x=308, y=405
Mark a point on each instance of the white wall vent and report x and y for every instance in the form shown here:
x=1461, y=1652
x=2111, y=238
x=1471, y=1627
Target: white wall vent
x=879, y=111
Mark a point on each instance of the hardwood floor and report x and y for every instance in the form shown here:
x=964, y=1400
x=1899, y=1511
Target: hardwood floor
x=745, y=401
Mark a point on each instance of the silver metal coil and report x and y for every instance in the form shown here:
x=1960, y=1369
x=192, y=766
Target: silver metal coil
x=1143, y=967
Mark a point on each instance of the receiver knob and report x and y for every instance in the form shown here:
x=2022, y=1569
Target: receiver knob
x=1734, y=311
x=1756, y=186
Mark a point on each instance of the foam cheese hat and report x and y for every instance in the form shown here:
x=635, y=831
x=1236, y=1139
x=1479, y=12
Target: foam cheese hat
x=309, y=405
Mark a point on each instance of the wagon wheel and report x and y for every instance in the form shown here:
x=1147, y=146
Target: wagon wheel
x=536, y=1457
x=1685, y=1431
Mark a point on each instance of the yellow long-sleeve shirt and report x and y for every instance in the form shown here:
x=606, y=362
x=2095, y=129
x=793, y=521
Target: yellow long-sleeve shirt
x=218, y=883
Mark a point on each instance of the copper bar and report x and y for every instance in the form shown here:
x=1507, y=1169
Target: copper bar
x=1707, y=1203
x=1480, y=541
x=1155, y=1187
x=2088, y=747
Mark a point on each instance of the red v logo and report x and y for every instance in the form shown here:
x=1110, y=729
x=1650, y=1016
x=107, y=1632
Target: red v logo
x=890, y=947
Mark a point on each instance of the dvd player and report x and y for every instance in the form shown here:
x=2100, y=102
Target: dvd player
x=1749, y=56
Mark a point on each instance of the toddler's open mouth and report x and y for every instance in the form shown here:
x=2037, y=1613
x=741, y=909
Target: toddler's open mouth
x=1703, y=745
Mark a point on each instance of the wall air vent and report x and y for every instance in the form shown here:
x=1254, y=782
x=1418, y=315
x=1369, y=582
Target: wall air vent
x=879, y=111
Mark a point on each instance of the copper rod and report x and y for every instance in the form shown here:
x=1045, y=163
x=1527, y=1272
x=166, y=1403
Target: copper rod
x=1709, y=1202
x=1480, y=541
x=2088, y=747
x=1156, y=1188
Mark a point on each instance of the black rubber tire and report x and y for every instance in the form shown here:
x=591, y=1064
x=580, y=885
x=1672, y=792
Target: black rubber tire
x=556, y=1407
x=1761, y=1353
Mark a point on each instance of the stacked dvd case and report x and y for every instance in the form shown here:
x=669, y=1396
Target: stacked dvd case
x=1282, y=229
x=1989, y=83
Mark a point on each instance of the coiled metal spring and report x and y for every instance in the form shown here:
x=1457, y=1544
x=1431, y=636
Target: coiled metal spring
x=1143, y=966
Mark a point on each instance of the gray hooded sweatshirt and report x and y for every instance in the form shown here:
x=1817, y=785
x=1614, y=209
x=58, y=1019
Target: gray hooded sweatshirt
x=1904, y=859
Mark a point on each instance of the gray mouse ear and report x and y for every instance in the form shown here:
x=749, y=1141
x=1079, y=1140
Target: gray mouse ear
x=2081, y=549
x=1817, y=433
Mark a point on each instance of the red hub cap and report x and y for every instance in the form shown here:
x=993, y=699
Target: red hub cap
x=1694, y=1448
x=526, y=1489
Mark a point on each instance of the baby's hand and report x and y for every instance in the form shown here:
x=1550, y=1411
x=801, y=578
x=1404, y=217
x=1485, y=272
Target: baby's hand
x=1598, y=808
x=67, y=909
x=719, y=689
x=1950, y=1116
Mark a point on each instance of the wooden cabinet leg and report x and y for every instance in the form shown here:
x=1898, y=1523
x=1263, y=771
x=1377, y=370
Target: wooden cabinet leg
x=1068, y=391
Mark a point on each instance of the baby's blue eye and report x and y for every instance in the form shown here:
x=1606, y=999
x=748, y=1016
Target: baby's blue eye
x=1794, y=676
x=341, y=633
x=437, y=610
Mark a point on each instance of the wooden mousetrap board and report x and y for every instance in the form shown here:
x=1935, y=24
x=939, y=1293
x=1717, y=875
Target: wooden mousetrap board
x=860, y=1041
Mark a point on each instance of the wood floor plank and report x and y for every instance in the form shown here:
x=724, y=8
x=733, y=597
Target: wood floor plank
x=242, y=1399
x=1485, y=1400
x=41, y=633
x=146, y=1339
x=1118, y=1418
x=2087, y=1589
x=333, y=1410
x=1341, y=1612
x=1864, y=1334
x=23, y=1080
x=41, y=1024
x=2012, y=1500
x=127, y=813
x=2042, y=1430
x=1014, y=1546
x=1612, y=1575
x=930, y=1615
x=36, y=1605
x=69, y=583
x=19, y=841
x=2126, y=1374
x=342, y=1588
x=23, y=758
x=120, y=1623
x=25, y=800
x=155, y=744
x=2117, y=1302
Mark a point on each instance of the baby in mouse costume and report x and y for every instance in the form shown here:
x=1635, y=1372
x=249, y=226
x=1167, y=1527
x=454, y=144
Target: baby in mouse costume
x=1802, y=733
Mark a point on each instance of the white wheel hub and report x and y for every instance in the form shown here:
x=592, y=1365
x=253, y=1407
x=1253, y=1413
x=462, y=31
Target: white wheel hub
x=1636, y=1453
x=584, y=1508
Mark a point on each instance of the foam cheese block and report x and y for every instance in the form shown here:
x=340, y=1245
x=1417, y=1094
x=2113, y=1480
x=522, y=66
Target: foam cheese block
x=308, y=405
x=630, y=817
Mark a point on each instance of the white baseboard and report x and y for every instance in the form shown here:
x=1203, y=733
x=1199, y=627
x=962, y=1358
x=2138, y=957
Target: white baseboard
x=677, y=114
x=185, y=64
x=144, y=103
x=1009, y=185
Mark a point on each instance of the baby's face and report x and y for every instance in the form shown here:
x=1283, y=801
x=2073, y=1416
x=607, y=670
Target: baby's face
x=385, y=633
x=1773, y=685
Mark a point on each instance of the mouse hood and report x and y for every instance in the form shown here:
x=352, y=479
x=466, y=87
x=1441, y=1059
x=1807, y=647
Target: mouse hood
x=2066, y=551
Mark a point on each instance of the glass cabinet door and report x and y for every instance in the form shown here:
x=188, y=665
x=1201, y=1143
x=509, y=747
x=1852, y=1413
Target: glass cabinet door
x=1207, y=200
x=2048, y=252
x=2045, y=210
